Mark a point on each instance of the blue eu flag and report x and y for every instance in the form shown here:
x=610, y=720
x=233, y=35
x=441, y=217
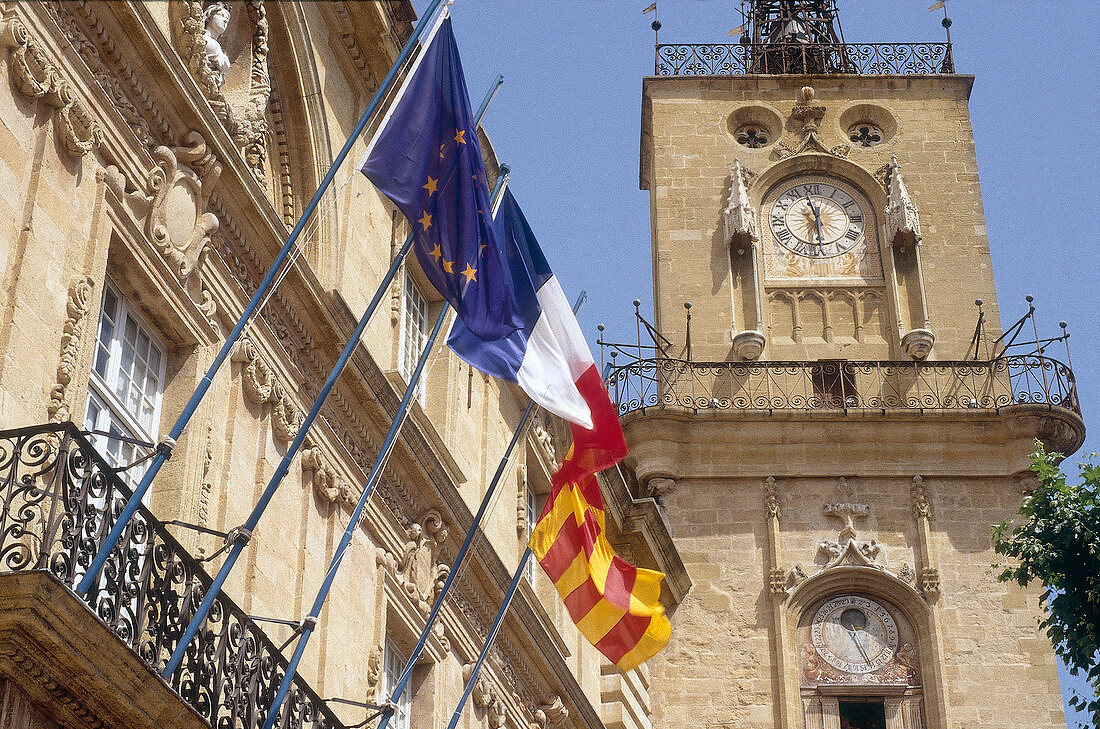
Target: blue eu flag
x=427, y=160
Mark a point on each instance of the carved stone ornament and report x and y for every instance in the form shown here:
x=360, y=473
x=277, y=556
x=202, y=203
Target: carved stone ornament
x=739, y=215
x=521, y=499
x=749, y=344
x=550, y=714
x=544, y=439
x=374, y=673
x=416, y=568
x=771, y=497
x=902, y=219
x=174, y=211
x=917, y=343
x=930, y=582
x=262, y=387
x=36, y=77
x=809, y=115
x=660, y=487
x=239, y=91
x=76, y=309
x=849, y=552
x=325, y=482
x=922, y=509
x=486, y=696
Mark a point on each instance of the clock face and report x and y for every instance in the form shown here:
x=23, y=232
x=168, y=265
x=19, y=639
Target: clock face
x=816, y=219
x=854, y=634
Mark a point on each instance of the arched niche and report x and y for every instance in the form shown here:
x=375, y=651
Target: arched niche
x=272, y=110
x=908, y=687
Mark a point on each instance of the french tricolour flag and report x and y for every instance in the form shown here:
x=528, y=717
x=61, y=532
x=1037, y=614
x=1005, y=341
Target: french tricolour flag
x=547, y=356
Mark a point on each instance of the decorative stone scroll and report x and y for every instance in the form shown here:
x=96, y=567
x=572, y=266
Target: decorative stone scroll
x=262, y=387
x=325, y=482
x=174, y=211
x=36, y=77
x=76, y=307
x=486, y=696
x=550, y=714
x=416, y=567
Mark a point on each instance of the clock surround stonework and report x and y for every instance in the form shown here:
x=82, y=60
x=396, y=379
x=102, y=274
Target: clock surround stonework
x=779, y=511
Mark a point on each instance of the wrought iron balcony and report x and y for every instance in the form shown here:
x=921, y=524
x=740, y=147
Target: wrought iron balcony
x=681, y=59
x=672, y=384
x=58, y=499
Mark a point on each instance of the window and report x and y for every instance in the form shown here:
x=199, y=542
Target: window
x=414, y=330
x=862, y=714
x=126, y=385
x=394, y=665
x=866, y=134
x=532, y=512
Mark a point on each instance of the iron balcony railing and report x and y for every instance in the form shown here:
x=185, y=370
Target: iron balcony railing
x=672, y=384
x=682, y=59
x=58, y=499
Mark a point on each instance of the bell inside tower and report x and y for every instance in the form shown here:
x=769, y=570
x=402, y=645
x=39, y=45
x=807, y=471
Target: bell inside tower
x=794, y=36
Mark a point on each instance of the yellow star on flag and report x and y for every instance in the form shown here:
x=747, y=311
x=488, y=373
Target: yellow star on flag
x=470, y=273
x=431, y=186
x=448, y=266
x=441, y=148
x=425, y=220
x=460, y=136
x=436, y=253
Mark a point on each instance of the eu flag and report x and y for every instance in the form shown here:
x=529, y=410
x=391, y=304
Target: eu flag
x=427, y=160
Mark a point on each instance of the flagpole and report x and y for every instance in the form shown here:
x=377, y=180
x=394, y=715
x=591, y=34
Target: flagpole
x=486, y=502
x=497, y=623
x=242, y=534
x=309, y=623
x=168, y=442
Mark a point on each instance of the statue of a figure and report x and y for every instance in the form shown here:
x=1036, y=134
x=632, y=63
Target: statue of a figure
x=216, y=20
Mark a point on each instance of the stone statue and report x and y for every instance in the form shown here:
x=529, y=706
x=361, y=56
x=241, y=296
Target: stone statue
x=216, y=20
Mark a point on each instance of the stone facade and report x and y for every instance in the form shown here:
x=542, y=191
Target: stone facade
x=162, y=151
x=786, y=507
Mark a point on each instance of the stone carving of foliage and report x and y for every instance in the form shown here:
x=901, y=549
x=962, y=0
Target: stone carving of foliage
x=76, y=307
x=36, y=77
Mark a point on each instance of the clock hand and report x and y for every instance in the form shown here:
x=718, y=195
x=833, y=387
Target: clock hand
x=859, y=645
x=817, y=219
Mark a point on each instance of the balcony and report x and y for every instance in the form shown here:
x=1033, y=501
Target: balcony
x=908, y=59
x=679, y=385
x=58, y=499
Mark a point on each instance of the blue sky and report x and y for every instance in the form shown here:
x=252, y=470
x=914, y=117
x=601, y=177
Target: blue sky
x=567, y=120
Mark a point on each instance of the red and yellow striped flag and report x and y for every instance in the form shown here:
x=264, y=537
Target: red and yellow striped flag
x=615, y=605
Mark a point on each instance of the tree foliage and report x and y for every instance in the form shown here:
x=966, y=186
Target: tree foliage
x=1057, y=542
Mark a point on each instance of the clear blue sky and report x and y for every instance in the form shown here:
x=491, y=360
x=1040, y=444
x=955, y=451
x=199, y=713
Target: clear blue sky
x=567, y=120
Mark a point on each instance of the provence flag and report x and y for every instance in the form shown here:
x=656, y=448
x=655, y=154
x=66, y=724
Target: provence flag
x=615, y=605
x=427, y=160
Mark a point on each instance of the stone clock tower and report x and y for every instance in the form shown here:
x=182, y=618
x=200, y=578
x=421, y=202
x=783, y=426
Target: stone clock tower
x=829, y=438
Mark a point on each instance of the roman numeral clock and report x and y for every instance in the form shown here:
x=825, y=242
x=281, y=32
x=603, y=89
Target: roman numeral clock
x=823, y=270
x=816, y=219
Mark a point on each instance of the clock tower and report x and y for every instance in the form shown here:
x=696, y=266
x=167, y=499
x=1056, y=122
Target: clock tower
x=829, y=423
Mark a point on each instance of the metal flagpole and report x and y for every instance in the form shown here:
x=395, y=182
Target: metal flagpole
x=168, y=442
x=486, y=501
x=309, y=623
x=241, y=535
x=497, y=622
